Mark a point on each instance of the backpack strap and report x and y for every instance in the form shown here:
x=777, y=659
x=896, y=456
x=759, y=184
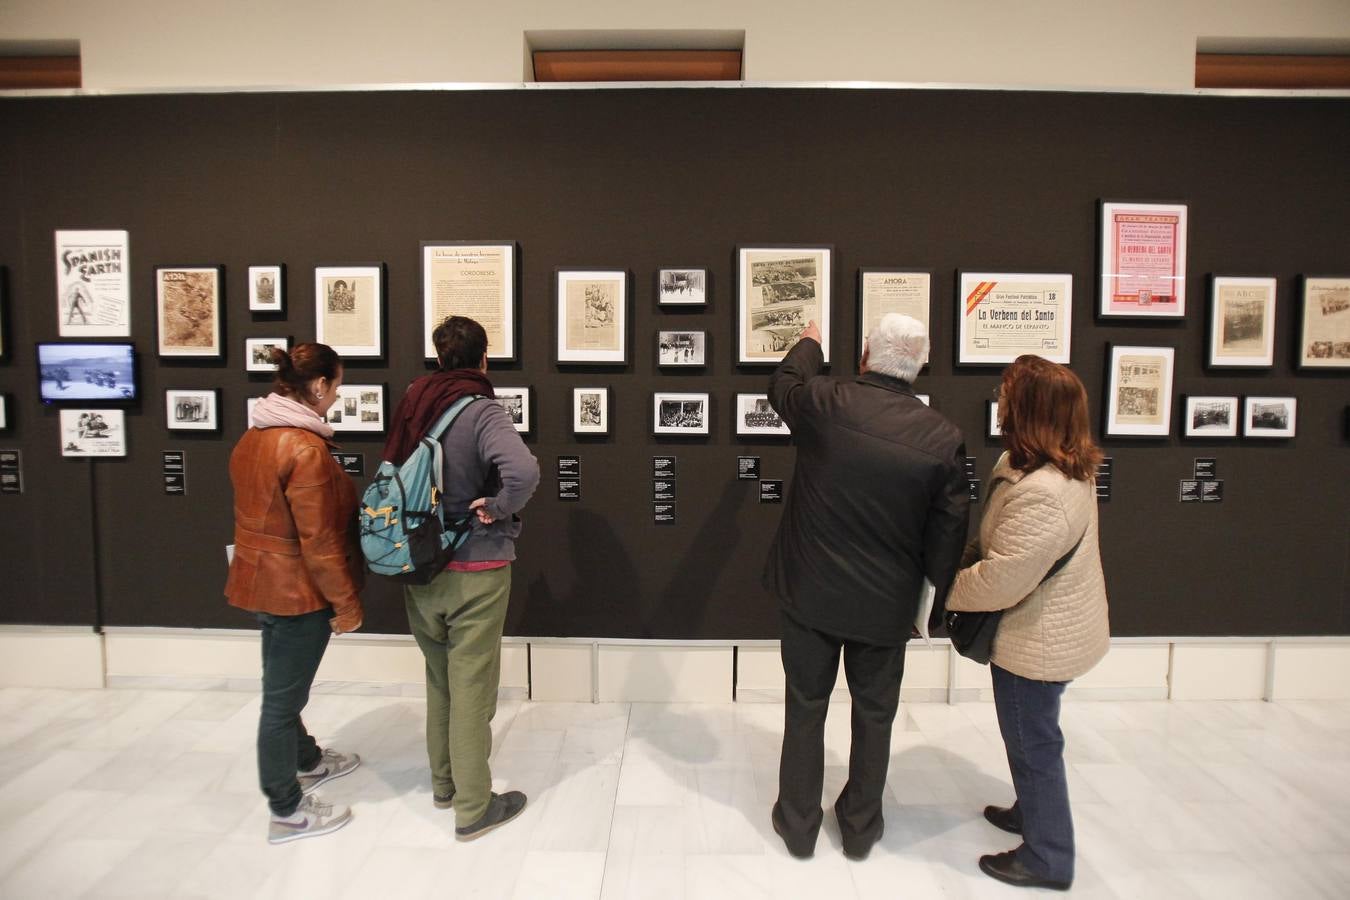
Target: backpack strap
x=448, y=417
x=433, y=440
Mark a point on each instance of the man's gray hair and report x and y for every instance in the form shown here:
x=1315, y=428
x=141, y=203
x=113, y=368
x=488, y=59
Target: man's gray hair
x=897, y=347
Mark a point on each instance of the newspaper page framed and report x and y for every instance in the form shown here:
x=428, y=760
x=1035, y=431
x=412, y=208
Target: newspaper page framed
x=1241, y=323
x=905, y=291
x=675, y=413
x=1324, y=332
x=1142, y=259
x=349, y=309
x=93, y=432
x=1139, y=391
x=187, y=311
x=591, y=316
x=476, y=279
x=267, y=289
x=359, y=407
x=1209, y=417
x=780, y=288
x=1003, y=315
x=516, y=402
x=93, y=283
x=1269, y=417
x=590, y=410
x=192, y=409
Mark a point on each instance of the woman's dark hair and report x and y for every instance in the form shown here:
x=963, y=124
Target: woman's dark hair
x=460, y=343
x=305, y=362
x=1043, y=415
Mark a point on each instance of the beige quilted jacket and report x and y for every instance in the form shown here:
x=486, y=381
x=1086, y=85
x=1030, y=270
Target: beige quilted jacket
x=1052, y=631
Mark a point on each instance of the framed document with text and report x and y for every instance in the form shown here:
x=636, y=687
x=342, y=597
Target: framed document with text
x=1324, y=337
x=475, y=279
x=779, y=289
x=187, y=307
x=349, y=309
x=592, y=316
x=93, y=284
x=1241, y=323
x=1143, y=260
x=1004, y=315
x=881, y=291
x=1139, y=391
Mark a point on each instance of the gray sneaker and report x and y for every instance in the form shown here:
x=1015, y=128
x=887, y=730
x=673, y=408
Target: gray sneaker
x=502, y=808
x=332, y=764
x=317, y=817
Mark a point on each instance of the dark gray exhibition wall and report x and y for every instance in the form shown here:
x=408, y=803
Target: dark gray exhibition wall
x=639, y=179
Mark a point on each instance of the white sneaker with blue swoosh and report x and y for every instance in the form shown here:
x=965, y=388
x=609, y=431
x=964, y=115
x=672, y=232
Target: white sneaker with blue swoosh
x=311, y=818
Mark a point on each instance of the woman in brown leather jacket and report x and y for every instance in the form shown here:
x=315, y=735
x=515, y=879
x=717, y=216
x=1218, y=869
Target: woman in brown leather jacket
x=297, y=566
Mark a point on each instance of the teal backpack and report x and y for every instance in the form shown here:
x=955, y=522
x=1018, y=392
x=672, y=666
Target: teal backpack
x=403, y=534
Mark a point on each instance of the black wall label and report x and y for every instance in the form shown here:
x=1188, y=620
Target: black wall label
x=351, y=463
x=771, y=491
x=569, y=489
x=175, y=473
x=11, y=472
x=663, y=467
x=663, y=513
x=569, y=467
x=747, y=467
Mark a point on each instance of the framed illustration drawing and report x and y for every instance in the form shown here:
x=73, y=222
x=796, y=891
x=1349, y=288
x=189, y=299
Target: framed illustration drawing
x=192, y=409
x=681, y=348
x=1324, y=335
x=755, y=417
x=679, y=413
x=187, y=308
x=93, y=286
x=1241, y=323
x=475, y=279
x=1142, y=256
x=258, y=353
x=1215, y=417
x=1269, y=417
x=516, y=402
x=267, y=289
x=590, y=410
x=1139, y=391
x=359, y=407
x=591, y=316
x=349, y=309
x=682, y=287
x=93, y=432
x=1005, y=315
x=779, y=289
x=905, y=291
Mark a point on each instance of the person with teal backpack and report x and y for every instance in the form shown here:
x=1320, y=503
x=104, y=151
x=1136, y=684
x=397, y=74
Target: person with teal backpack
x=487, y=477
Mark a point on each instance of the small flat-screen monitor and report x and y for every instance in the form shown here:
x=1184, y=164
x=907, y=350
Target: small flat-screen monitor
x=87, y=373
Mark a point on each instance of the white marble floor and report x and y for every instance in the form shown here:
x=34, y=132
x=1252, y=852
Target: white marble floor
x=145, y=793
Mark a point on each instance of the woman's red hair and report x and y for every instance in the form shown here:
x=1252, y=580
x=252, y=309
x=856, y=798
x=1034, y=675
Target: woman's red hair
x=1043, y=415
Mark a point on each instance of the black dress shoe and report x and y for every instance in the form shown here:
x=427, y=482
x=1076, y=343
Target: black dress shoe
x=1006, y=868
x=1005, y=817
x=797, y=853
x=859, y=853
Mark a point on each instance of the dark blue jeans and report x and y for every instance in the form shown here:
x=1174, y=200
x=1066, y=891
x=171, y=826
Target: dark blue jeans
x=292, y=647
x=1028, y=716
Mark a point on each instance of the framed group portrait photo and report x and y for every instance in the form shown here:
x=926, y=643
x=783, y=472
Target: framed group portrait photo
x=349, y=309
x=780, y=289
x=591, y=316
x=1003, y=315
x=476, y=279
x=1142, y=258
x=680, y=413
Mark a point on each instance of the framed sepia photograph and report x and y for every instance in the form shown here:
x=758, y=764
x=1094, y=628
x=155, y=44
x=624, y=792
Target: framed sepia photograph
x=1142, y=256
x=882, y=291
x=359, y=407
x=1241, y=323
x=476, y=279
x=679, y=413
x=1324, y=333
x=754, y=416
x=682, y=287
x=516, y=402
x=1139, y=391
x=93, y=284
x=1215, y=417
x=1003, y=315
x=192, y=409
x=267, y=289
x=258, y=353
x=681, y=348
x=992, y=428
x=349, y=309
x=591, y=316
x=187, y=304
x=590, y=410
x=93, y=432
x=779, y=289
x=1269, y=417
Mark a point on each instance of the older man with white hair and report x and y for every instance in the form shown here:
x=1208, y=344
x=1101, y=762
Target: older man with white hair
x=878, y=502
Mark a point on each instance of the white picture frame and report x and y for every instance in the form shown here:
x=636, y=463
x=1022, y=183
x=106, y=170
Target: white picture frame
x=1241, y=323
x=1269, y=417
x=358, y=408
x=680, y=413
x=192, y=409
x=256, y=352
x=93, y=433
x=516, y=402
x=1205, y=416
x=1139, y=391
x=590, y=410
x=756, y=418
x=267, y=289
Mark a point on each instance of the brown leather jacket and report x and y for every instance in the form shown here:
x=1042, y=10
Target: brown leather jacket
x=295, y=528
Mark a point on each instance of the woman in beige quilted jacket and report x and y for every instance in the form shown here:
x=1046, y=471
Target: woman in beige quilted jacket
x=1036, y=557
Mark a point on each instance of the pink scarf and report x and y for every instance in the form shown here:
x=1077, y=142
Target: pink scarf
x=277, y=411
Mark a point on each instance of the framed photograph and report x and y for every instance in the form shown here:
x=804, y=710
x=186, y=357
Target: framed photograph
x=681, y=348
x=1241, y=323
x=1324, y=338
x=754, y=416
x=4, y=315
x=1269, y=417
x=924, y=399
x=882, y=291
x=992, y=428
x=779, y=289
x=475, y=279
x=1139, y=391
x=267, y=289
x=1003, y=315
x=93, y=432
x=4, y=412
x=349, y=309
x=590, y=410
x=1143, y=260
x=516, y=402
x=591, y=316
x=359, y=407
x=187, y=308
x=681, y=287
x=681, y=414
x=258, y=353
x=93, y=284
x=1210, y=417
x=192, y=409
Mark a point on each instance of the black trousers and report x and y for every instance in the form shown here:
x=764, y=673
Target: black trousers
x=811, y=664
x=292, y=648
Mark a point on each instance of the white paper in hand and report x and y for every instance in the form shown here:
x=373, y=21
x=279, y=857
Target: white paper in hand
x=927, y=595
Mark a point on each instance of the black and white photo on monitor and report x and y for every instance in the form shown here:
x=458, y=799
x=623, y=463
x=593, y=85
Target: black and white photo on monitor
x=1269, y=417
x=266, y=288
x=192, y=409
x=754, y=416
x=1210, y=417
x=679, y=413
x=682, y=287
x=681, y=348
x=590, y=410
x=258, y=353
x=516, y=402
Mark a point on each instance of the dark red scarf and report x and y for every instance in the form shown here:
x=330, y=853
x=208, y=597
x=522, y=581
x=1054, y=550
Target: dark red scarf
x=427, y=398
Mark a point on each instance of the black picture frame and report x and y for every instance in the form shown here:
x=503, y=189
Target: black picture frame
x=511, y=308
x=898, y=271
x=563, y=356
x=743, y=355
x=178, y=419
x=702, y=294
x=172, y=326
